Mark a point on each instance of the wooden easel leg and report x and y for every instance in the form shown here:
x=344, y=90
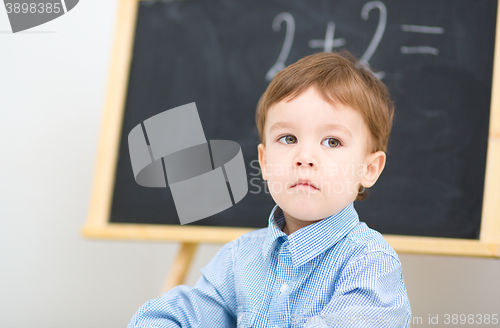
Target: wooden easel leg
x=181, y=266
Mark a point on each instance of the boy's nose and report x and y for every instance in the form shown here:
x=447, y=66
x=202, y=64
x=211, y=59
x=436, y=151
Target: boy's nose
x=310, y=163
x=306, y=155
x=305, y=158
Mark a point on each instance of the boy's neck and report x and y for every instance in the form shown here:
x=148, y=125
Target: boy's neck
x=292, y=224
x=285, y=229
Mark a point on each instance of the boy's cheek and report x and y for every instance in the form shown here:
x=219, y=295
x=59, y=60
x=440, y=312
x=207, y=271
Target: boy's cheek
x=344, y=185
x=274, y=170
x=361, y=170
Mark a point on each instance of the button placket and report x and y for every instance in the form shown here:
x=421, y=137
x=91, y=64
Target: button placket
x=284, y=289
x=280, y=316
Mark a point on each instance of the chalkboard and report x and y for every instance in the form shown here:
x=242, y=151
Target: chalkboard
x=435, y=57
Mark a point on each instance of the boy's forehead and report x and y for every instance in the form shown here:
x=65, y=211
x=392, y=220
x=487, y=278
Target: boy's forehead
x=310, y=108
x=309, y=98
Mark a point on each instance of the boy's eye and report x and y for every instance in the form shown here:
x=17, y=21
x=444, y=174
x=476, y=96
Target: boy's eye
x=331, y=142
x=289, y=139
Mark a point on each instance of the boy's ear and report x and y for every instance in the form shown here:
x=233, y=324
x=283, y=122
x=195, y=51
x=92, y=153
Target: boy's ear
x=375, y=165
x=262, y=160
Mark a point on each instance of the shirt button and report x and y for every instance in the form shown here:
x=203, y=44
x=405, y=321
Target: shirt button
x=284, y=289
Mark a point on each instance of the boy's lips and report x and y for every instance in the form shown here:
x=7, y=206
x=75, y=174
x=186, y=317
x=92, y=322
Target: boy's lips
x=304, y=182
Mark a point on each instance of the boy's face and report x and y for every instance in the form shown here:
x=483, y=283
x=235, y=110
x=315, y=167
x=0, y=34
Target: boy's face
x=310, y=141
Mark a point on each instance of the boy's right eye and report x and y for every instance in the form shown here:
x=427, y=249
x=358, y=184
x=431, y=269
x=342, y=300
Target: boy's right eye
x=288, y=139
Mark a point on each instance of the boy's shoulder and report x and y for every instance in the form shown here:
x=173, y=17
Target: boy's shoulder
x=363, y=240
x=251, y=238
x=247, y=241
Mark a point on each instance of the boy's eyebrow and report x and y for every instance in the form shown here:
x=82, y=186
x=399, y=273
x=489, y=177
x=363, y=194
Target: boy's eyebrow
x=336, y=127
x=281, y=125
x=325, y=127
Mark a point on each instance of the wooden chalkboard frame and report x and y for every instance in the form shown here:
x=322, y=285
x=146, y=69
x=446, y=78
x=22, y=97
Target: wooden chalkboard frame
x=98, y=226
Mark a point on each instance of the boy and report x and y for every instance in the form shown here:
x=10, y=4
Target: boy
x=324, y=123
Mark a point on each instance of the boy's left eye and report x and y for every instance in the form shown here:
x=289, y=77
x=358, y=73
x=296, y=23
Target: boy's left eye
x=288, y=139
x=331, y=142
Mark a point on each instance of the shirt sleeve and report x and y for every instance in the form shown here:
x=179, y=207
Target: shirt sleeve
x=209, y=303
x=370, y=293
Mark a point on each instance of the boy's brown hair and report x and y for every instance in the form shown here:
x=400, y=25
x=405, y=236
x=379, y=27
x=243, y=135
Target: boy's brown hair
x=338, y=78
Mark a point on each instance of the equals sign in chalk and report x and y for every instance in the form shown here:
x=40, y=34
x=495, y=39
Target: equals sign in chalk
x=420, y=49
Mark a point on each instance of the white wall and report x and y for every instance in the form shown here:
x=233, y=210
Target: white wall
x=52, y=87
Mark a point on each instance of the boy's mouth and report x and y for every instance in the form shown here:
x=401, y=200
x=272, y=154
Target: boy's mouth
x=305, y=183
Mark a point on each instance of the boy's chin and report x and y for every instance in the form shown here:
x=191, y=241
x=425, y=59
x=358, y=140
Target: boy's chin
x=302, y=208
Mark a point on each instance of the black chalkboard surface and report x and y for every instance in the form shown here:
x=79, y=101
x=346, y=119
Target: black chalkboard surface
x=436, y=57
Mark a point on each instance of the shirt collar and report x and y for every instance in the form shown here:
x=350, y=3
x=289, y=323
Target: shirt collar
x=312, y=240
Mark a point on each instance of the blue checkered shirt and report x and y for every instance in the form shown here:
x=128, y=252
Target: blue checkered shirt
x=333, y=273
